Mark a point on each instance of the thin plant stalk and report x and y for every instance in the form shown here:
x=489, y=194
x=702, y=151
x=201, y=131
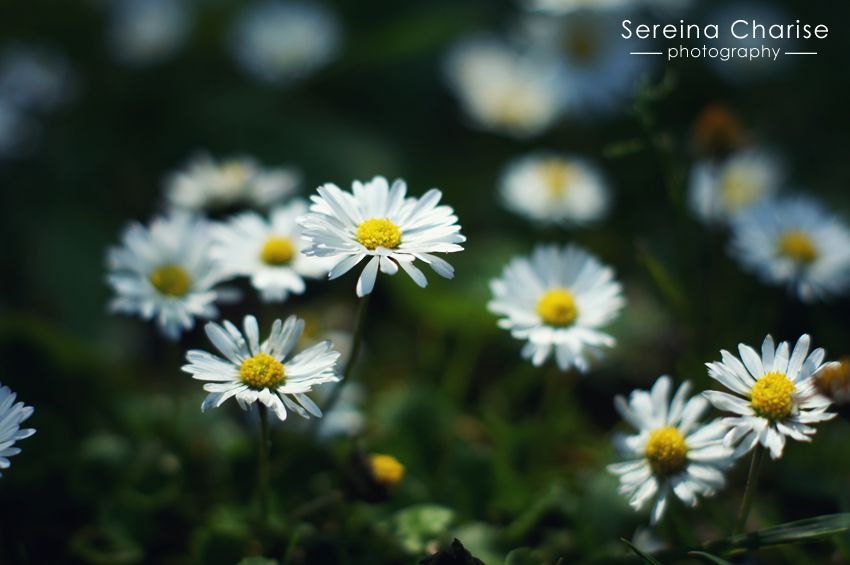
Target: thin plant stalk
x=750, y=490
x=263, y=469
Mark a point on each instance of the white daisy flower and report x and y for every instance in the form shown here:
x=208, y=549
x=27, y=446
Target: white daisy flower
x=11, y=416
x=672, y=452
x=165, y=272
x=268, y=251
x=278, y=42
x=718, y=191
x=557, y=300
x=503, y=90
x=775, y=396
x=252, y=371
x=379, y=222
x=549, y=188
x=205, y=184
x=794, y=242
x=145, y=32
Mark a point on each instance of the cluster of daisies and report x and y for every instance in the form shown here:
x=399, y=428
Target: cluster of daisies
x=176, y=269
x=786, y=239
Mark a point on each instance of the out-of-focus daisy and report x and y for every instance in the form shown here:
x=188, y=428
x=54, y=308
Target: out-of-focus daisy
x=557, y=300
x=833, y=381
x=206, y=184
x=280, y=41
x=794, y=242
x=165, y=272
x=145, y=32
x=252, y=371
x=561, y=7
x=12, y=414
x=595, y=74
x=345, y=417
x=503, y=90
x=718, y=131
x=381, y=223
x=268, y=251
x=775, y=395
x=549, y=188
x=19, y=132
x=718, y=191
x=672, y=453
x=36, y=78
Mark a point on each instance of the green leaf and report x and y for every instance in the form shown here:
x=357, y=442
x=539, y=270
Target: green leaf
x=521, y=556
x=801, y=531
x=709, y=557
x=646, y=557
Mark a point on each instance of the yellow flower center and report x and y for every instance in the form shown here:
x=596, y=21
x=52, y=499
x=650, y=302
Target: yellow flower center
x=171, y=280
x=277, y=251
x=557, y=176
x=738, y=189
x=666, y=451
x=234, y=173
x=834, y=379
x=557, y=307
x=771, y=397
x=261, y=371
x=386, y=470
x=797, y=245
x=379, y=232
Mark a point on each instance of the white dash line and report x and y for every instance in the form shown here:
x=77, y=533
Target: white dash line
x=645, y=53
x=801, y=52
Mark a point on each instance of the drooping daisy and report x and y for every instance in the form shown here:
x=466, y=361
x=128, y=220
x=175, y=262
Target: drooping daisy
x=165, y=272
x=557, y=300
x=146, y=32
x=718, y=191
x=380, y=222
x=205, y=184
x=833, y=381
x=672, y=452
x=775, y=395
x=12, y=414
x=268, y=251
x=502, y=89
x=281, y=41
x=794, y=242
x=252, y=371
x=549, y=188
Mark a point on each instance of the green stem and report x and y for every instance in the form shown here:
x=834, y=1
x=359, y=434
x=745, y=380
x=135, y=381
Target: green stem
x=750, y=491
x=265, y=446
x=356, y=341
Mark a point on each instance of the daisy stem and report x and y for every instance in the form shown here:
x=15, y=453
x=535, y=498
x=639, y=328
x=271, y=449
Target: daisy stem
x=356, y=341
x=750, y=491
x=265, y=445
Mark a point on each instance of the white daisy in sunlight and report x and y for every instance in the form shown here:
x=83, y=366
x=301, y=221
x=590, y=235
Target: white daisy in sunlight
x=252, y=371
x=164, y=272
x=268, y=251
x=12, y=414
x=776, y=396
x=205, y=184
x=794, y=242
x=503, y=90
x=672, y=453
x=143, y=32
x=557, y=300
x=381, y=223
x=718, y=191
x=280, y=41
x=549, y=188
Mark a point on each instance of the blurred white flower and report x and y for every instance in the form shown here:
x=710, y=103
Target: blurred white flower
x=718, y=191
x=503, y=90
x=268, y=251
x=36, y=78
x=345, y=418
x=266, y=372
x=281, y=41
x=561, y=7
x=595, y=72
x=381, y=223
x=12, y=414
x=146, y=32
x=795, y=243
x=557, y=300
x=19, y=132
x=550, y=188
x=775, y=396
x=165, y=272
x=205, y=184
x=672, y=453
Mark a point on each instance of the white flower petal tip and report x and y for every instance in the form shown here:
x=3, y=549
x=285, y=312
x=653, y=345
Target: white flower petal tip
x=12, y=415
